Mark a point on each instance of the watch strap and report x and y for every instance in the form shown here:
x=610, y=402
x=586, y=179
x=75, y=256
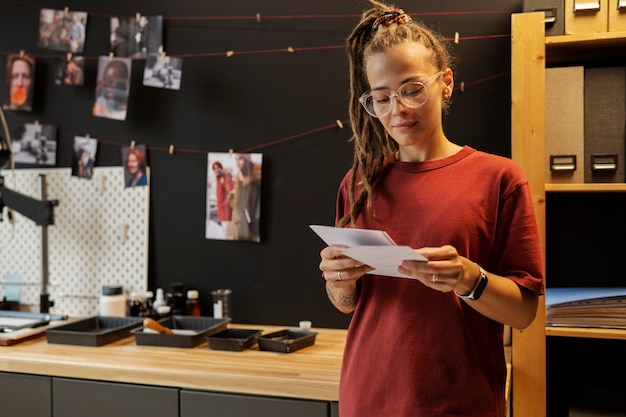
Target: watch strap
x=479, y=287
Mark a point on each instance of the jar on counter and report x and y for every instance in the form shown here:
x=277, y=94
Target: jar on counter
x=112, y=301
x=193, y=303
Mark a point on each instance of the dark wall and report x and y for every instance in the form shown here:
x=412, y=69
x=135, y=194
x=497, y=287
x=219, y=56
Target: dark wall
x=263, y=98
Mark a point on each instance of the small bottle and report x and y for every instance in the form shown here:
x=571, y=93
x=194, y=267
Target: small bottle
x=159, y=300
x=113, y=302
x=148, y=308
x=177, y=299
x=136, y=304
x=193, y=303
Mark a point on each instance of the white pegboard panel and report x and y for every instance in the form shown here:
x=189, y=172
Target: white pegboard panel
x=99, y=237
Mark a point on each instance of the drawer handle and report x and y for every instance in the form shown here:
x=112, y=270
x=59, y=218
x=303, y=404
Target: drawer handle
x=586, y=5
x=549, y=15
x=562, y=163
x=604, y=162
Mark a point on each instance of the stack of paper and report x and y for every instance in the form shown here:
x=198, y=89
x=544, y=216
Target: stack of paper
x=371, y=247
x=586, y=307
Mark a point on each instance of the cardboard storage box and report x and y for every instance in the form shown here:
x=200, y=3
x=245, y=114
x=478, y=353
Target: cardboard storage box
x=617, y=15
x=584, y=17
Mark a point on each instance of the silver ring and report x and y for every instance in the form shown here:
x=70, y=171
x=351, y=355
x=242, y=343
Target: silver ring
x=435, y=277
x=338, y=275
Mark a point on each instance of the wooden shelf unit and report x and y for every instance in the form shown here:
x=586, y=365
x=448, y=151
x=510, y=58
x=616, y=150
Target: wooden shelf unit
x=531, y=50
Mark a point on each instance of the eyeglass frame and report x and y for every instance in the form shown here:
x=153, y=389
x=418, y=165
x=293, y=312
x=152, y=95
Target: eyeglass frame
x=425, y=83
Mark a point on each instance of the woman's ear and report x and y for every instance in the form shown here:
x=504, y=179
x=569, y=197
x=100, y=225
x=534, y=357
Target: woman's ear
x=448, y=80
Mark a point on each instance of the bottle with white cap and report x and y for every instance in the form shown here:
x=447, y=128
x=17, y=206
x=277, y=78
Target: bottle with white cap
x=193, y=303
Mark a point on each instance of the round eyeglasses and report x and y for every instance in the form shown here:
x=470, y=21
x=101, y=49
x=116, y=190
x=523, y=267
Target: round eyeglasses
x=412, y=95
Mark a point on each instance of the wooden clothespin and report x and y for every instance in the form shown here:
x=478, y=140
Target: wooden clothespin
x=456, y=37
x=66, y=10
x=230, y=53
x=289, y=49
x=138, y=16
x=21, y=53
x=230, y=151
x=132, y=144
x=110, y=55
x=339, y=123
x=171, y=150
x=36, y=122
x=258, y=17
x=462, y=86
x=69, y=56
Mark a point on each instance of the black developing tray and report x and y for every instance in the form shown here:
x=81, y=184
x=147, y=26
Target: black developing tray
x=234, y=340
x=286, y=341
x=93, y=331
x=202, y=326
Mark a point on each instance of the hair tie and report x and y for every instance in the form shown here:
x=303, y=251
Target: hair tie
x=388, y=17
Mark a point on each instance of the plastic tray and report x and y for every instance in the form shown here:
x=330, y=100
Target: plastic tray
x=203, y=326
x=286, y=341
x=234, y=339
x=93, y=331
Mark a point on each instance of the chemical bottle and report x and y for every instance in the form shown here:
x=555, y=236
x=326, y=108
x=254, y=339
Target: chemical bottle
x=113, y=302
x=193, y=303
x=148, y=308
x=159, y=301
x=136, y=304
x=177, y=299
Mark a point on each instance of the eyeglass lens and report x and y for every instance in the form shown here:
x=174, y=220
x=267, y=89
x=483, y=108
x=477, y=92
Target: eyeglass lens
x=411, y=95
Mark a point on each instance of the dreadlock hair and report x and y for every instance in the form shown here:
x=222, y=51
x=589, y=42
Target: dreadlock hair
x=372, y=144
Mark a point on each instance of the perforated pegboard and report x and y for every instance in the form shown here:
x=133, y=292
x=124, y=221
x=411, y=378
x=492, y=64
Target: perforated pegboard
x=99, y=237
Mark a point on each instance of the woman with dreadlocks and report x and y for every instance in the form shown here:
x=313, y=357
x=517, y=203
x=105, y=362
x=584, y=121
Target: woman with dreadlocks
x=431, y=345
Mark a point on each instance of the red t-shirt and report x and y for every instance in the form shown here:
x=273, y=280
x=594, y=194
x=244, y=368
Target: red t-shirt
x=412, y=350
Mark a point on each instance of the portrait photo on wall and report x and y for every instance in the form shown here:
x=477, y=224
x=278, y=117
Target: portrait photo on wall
x=163, y=72
x=35, y=143
x=136, y=37
x=135, y=166
x=20, y=82
x=112, y=88
x=62, y=31
x=84, y=157
x=233, y=197
x=70, y=71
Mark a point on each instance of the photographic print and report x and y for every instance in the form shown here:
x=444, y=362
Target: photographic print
x=137, y=37
x=61, y=31
x=35, y=144
x=135, y=166
x=70, y=71
x=20, y=82
x=112, y=88
x=234, y=196
x=163, y=72
x=84, y=157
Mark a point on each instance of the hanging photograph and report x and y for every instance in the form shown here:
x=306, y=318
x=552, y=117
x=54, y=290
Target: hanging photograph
x=234, y=196
x=62, y=31
x=20, y=82
x=135, y=166
x=84, y=157
x=70, y=71
x=112, y=88
x=136, y=37
x=34, y=143
x=163, y=72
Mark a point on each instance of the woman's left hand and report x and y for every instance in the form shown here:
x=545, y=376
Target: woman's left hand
x=444, y=270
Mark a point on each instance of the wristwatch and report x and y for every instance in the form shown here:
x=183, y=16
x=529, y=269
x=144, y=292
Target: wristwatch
x=478, y=288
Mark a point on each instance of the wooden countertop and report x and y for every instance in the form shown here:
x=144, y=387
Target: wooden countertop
x=309, y=373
